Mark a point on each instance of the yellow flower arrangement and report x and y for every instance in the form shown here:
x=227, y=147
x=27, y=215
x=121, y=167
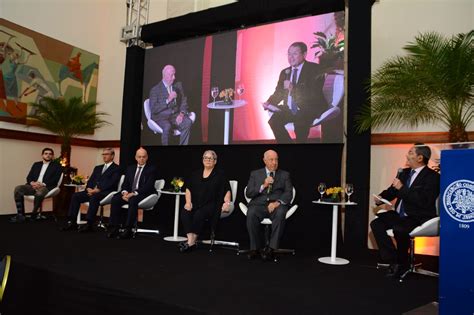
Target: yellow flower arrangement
x=334, y=192
x=77, y=179
x=177, y=183
x=227, y=94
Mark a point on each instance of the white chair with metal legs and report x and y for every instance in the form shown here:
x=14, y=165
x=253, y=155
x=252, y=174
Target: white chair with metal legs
x=232, y=245
x=52, y=193
x=154, y=126
x=148, y=204
x=267, y=222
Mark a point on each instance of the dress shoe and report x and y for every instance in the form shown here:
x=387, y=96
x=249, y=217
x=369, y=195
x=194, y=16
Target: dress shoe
x=395, y=271
x=268, y=254
x=253, y=254
x=70, y=226
x=19, y=218
x=112, y=232
x=186, y=248
x=125, y=235
x=86, y=228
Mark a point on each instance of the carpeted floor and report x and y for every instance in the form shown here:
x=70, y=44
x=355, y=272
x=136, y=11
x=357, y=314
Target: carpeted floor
x=70, y=273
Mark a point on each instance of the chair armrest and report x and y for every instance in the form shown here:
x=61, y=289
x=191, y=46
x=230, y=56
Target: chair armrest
x=327, y=115
x=53, y=192
x=228, y=213
x=429, y=228
x=290, y=212
x=154, y=126
x=149, y=202
x=243, y=208
x=107, y=199
x=192, y=116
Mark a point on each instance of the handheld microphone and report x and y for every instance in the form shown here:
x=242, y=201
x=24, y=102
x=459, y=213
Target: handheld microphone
x=399, y=172
x=270, y=187
x=287, y=74
x=171, y=90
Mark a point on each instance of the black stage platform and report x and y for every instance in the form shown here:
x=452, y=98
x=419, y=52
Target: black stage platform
x=57, y=272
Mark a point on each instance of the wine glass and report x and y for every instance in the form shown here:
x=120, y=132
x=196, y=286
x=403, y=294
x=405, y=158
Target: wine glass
x=322, y=190
x=214, y=93
x=349, y=191
x=240, y=89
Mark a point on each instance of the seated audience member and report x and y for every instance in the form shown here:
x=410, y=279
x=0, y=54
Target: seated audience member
x=271, y=191
x=207, y=194
x=138, y=184
x=43, y=176
x=104, y=180
x=416, y=189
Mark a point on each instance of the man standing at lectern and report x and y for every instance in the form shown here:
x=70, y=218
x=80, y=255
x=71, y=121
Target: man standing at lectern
x=300, y=88
x=271, y=191
x=416, y=189
x=169, y=107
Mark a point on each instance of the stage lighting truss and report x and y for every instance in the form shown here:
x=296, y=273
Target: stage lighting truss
x=137, y=16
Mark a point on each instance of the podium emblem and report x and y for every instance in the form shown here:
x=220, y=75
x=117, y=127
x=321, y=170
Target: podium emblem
x=458, y=200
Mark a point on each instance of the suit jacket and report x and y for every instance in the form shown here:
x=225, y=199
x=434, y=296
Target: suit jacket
x=419, y=200
x=159, y=109
x=51, y=176
x=146, y=184
x=308, y=92
x=282, y=189
x=106, y=182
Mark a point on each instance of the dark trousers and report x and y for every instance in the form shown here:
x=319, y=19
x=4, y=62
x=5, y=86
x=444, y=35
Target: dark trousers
x=80, y=197
x=132, y=213
x=402, y=226
x=194, y=220
x=167, y=124
x=28, y=190
x=301, y=122
x=255, y=214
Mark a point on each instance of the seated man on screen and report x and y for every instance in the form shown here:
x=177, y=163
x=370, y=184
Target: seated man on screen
x=271, y=191
x=416, y=189
x=300, y=88
x=43, y=176
x=169, y=107
x=138, y=184
x=104, y=180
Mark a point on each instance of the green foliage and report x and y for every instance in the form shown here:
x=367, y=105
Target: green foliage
x=330, y=51
x=432, y=84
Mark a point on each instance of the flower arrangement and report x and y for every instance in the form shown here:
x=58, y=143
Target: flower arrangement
x=177, y=183
x=77, y=179
x=227, y=95
x=334, y=193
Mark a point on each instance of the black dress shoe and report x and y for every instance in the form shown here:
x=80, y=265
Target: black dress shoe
x=253, y=254
x=112, y=232
x=268, y=254
x=86, y=228
x=186, y=248
x=19, y=218
x=125, y=235
x=70, y=226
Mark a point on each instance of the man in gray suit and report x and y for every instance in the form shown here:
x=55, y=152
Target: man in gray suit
x=169, y=107
x=271, y=191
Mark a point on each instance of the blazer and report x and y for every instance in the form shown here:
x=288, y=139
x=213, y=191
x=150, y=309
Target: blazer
x=159, y=109
x=308, y=92
x=419, y=200
x=51, y=176
x=146, y=184
x=282, y=189
x=106, y=182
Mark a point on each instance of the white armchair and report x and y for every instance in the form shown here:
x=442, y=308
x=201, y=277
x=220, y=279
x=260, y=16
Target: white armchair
x=53, y=192
x=154, y=126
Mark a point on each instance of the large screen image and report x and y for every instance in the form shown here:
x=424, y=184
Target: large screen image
x=277, y=83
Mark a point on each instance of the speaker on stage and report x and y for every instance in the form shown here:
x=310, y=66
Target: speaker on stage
x=4, y=270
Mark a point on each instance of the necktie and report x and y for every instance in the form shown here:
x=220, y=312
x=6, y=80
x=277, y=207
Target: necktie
x=407, y=183
x=104, y=168
x=137, y=176
x=294, y=76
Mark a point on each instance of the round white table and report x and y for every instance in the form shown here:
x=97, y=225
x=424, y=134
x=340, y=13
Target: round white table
x=226, y=108
x=77, y=188
x=175, y=237
x=333, y=260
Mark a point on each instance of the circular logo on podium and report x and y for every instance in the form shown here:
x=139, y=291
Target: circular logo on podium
x=458, y=200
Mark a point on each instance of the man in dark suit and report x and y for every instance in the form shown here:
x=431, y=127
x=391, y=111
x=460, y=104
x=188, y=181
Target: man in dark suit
x=300, y=88
x=138, y=184
x=169, y=107
x=104, y=180
x=416, y=189
x=43, y=176
x=271, y=191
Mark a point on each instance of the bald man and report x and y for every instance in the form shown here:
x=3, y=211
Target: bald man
x=138, y=184
x=271, y=191
x=169, y=107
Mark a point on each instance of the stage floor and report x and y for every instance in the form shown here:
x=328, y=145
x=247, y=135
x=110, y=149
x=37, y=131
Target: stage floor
x=57, y=272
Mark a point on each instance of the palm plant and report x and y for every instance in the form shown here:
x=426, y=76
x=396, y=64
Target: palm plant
x=433, y=84
x=67, y=118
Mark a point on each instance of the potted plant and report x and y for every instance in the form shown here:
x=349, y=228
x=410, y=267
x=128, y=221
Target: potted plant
x=67, y=118
x=433, y=84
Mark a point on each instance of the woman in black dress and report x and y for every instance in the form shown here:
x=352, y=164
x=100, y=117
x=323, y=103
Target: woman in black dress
x=207, y=194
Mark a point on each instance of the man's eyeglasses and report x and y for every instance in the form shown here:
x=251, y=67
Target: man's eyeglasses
x=208, y=158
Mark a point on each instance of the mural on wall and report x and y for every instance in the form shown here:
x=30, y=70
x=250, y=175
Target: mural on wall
x=33, y=66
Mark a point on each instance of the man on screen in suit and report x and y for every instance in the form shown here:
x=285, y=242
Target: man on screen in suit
x=169, y=107
x=300, y=88
x=43, y=176
x=104, y=180
x=138, y=184
x=416, y=189
x=271, y=191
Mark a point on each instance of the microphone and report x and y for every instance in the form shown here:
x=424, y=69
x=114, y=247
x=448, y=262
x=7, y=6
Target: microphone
x=287, y=74
x=399, y=172
x=171, y=90
x=270, y=187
